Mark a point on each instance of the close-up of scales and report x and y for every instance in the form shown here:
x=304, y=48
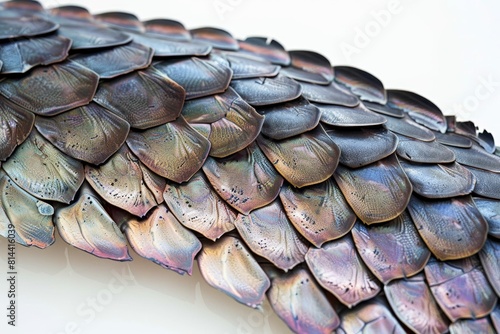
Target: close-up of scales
x=242, y=166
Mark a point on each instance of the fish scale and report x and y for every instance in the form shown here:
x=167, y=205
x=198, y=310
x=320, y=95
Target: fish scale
x=196, y=65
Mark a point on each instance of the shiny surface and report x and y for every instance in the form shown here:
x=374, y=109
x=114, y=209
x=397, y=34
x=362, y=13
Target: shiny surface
x=264, y=91
x=86, y=225
x=413, y=303
x=425, y=152
x=89, y=133
x=198, y=77
x=477, y=157
x=349, y=117
x=218, y=38
x=487, y=184
x=490, y=259
x=245, y=180
x=490, y=210
x=361, y=83
x=300, y=303
x=15, y=126
x=110, y=63
x=269, y=233
x=407, y=127
x=160, y=238
x=319, y=212
x=31, y=217
x=56, y=177
x=246, y=66
x=291, y=157
x=339, y=269
x=227, y=265
x=331, y=94
x=439, y=180
x=50, y=90
x=19, y=56
x=397, y=241
x=289, y=119
x=371, y=317
x=378, y=192
x=461, y=288
x=418, y=107
x=120, y=182
x=144, y=98
x=363, y=146
x=198, y=207
x=452, y=228
x=175, y=150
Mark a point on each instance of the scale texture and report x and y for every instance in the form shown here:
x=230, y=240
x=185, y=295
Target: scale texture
x=350, y=207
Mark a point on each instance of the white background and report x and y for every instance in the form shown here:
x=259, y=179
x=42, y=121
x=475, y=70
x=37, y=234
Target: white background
x=447, y=51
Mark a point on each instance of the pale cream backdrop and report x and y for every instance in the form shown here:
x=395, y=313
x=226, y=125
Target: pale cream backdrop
x=447, y=51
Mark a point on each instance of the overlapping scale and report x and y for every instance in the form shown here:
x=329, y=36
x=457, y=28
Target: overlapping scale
x=234, y=124
x=15, y=126
x=472, y=326
x=269, y=233
x=295, y=157
x=174, y=150
x=384, y=109
x=461, y=288
x=57, y=177
x=430, y=152
x=495, y=318
x=413, y=303
x=439, y=180
x=373, y=316
x=71, y=12
x=113, y=62
x=363, y=146
x=452, y=228
x=289, y=119
x=339, y=269
x=228, y=266
x=300, y=303
x=21, y=55
x=22, y=6
x=477, y=157
x=331, y=94
x=407, y=127
x=490, y=259
x=160, y=238
x=377, y=192
x=13, y=25
x=31, y=217
x=86, y=225
x=361, y=83
x=145, y=98
x=167, y=28
x=319, y=212
x=122, y=20
x=267, y=49
x=382, y=246
x=310, y=67
x=419, y=108
x=452, y=139
x=199, y=77
x=50, y=90
x=120, y=182
x=245, y=180
x=264, y=91
x=164, y=46
x=89, y=133
x=487, y=184
x=218, y=38
x=85, y=36
x=197, y=206
x=245, y=66
x=349, y=117
x=490, y=210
